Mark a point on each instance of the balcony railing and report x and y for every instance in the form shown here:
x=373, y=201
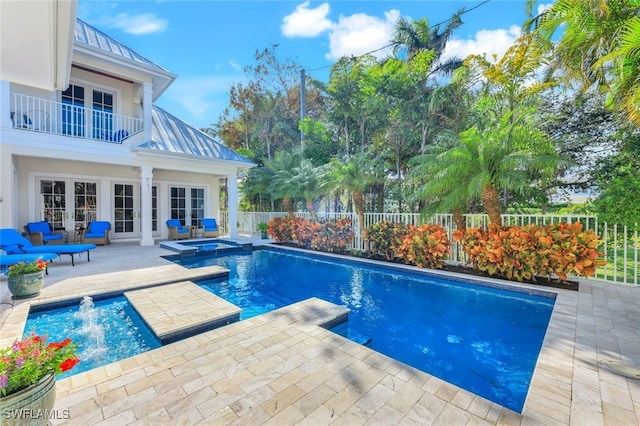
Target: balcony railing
x=58, y=118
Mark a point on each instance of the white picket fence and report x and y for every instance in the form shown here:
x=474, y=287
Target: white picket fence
x=620, y=244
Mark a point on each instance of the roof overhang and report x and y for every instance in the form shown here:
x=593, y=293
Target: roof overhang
x=191, y=162
x=100, y=60
x=37, y=42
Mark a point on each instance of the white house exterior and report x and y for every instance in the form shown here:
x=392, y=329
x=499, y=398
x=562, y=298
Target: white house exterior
x=83, y=141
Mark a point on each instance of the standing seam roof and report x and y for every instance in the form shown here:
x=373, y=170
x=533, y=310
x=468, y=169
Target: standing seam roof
x=170, y=134
x=90, y=36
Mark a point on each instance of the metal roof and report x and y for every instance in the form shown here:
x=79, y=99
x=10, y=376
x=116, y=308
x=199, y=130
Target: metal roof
x=90, y=36
x=172, y=135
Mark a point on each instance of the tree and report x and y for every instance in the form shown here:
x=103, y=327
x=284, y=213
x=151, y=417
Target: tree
x=281, y=170
x=599, y=45
x=308, y=182
x=354, y=176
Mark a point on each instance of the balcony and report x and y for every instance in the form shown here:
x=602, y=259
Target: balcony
x=57, y=118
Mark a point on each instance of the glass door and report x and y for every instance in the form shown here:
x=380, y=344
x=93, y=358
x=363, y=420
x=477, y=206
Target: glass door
x=188, y=205
x=126, y=207
x=53, y=202
x=68, y=209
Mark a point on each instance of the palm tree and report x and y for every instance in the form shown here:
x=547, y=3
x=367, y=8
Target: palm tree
x=599, y=45
x=308, y=182
x=411, y=38
x=281, y=168
x=483, y=162
x=354, y=176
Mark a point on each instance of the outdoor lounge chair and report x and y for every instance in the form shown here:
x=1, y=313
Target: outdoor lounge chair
x=14, y=243
x=97, y=233
x=7, y=260
x=209, y=228
x=40, y=233
x=177, y=231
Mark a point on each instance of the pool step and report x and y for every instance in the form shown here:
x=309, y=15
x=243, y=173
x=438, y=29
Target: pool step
x=352, y=334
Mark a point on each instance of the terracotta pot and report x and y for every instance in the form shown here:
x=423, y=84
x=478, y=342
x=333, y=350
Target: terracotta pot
x=30, y=406
x=25, y=285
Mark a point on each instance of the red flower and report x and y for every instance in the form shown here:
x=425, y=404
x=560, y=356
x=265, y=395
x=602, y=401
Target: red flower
x=69, y=364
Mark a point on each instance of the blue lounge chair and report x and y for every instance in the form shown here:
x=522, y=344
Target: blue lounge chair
x=14, y=243
x=7, y=260
x=177, y=231
x=209, y=228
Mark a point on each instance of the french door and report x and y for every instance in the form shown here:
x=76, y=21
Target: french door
x=68, y=203
x=127, y=210
x=188, y=205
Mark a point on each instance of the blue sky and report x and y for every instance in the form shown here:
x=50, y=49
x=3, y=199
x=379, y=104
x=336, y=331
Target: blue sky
x=208, y=42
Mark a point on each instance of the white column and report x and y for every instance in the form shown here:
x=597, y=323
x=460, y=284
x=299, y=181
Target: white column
x=232, y=188
x=147, y=106
x=146, y=180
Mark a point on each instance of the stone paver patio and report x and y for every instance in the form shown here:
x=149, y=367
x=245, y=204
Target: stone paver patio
x=284, y=368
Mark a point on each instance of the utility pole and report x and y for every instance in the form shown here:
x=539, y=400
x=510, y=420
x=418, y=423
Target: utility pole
x=302, y=108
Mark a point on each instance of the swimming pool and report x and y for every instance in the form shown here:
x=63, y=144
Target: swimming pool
x=483, y=339
x=105, y=331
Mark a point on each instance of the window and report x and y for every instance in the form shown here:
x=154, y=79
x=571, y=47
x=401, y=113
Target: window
x=76, y=102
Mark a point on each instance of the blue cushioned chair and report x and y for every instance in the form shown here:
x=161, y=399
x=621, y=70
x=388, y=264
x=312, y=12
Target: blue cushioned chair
x=177, y=231
x=40, y=233
x=209, y=228
x=14, y=243
x=98, y=233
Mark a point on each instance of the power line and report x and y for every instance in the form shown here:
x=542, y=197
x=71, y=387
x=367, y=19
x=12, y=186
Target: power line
x=391, y=44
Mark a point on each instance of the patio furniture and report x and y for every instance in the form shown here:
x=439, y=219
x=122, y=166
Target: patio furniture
x=7, y=260
x=97, y=233
x=14, y=243
x=209, y=228
x=177, y=231
x=40, y=233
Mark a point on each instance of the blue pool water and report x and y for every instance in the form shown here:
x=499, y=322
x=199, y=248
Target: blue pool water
x=106, y=332
x=483, y=339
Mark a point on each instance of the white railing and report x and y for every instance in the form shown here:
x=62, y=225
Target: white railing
x=42, y=115
x=620, y=244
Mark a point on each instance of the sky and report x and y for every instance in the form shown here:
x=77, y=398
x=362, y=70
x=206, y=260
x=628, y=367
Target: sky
x=206, y=43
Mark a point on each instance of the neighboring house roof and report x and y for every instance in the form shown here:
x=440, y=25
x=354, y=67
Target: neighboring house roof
x=92, y=37
x=171, y=135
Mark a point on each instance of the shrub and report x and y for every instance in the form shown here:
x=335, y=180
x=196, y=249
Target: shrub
x=281, y=229
x=330, y=235
x=426, y=246
x=533, y=250
x=385, y=238
x=333, y=236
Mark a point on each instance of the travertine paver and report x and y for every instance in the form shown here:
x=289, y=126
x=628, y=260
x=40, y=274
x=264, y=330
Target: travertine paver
x=179, y=307
x=237, y=373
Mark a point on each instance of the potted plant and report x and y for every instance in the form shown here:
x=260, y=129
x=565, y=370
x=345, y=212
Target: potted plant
x=27, y=377
x=25, y=279
x=262, y=227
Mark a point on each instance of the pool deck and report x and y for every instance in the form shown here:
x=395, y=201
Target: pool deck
x=284, y=368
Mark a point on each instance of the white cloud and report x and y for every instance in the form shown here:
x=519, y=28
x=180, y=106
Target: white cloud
x=146, y=23
x=306, y=22
x=543, y=7
x=204, y=97
x=487, y=42
x=361, y=33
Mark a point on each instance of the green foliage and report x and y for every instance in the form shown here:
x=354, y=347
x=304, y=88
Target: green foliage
x=619, y=201
x=385, y=237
